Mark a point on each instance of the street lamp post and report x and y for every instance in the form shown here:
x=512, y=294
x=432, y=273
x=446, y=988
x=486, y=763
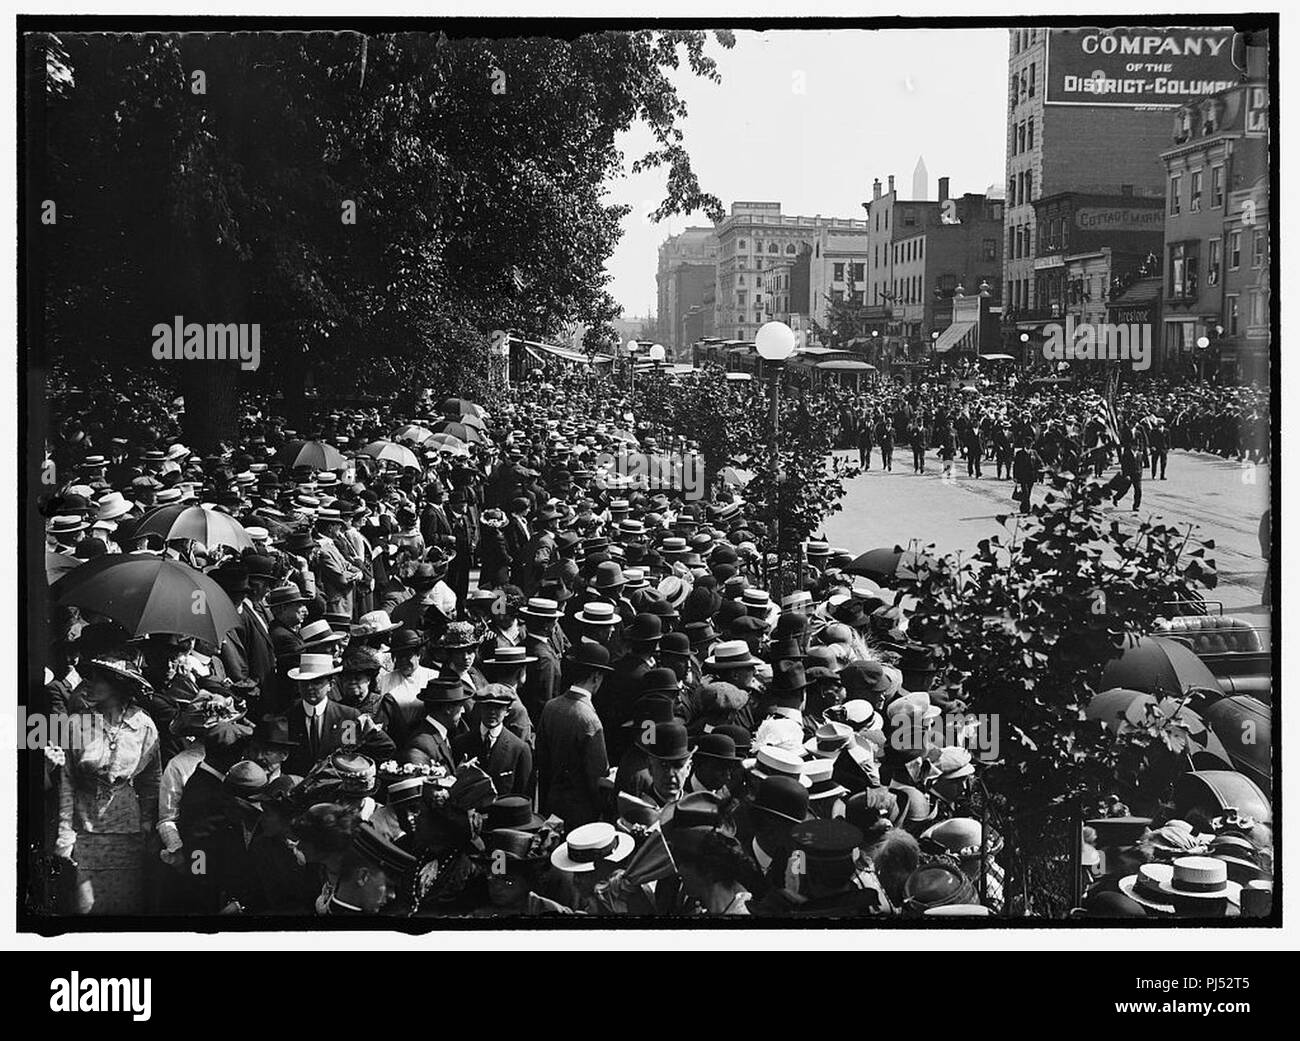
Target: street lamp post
x=632, y=348
x=1024, y=348
x=775, y=343
x=1202, y=345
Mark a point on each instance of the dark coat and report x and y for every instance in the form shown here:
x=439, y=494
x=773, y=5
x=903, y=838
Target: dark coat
x=509, y=764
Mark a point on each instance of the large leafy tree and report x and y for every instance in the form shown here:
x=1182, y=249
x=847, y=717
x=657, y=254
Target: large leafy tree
x=379, y=205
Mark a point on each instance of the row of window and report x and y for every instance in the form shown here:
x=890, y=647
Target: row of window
x=1195, y=179
x=912, y=249
x=1023, y=85
x=1022, y=136
x=1020, y=190
x=1021, y=241
x=1023, y=39
x=859, y=272
x=1184, y=261
x=772, y=247
x=1019, y=294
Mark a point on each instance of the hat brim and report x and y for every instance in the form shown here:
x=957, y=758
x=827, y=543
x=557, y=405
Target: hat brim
x=623, y=846
x=352, y=630
x=582, y=617
x=1128, y=886
x=713, y=663
x=299, y=675
x=504, y=666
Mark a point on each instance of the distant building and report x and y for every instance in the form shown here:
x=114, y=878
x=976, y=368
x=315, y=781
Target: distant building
x=921, y=252
x=687, y=272
x=774, y=266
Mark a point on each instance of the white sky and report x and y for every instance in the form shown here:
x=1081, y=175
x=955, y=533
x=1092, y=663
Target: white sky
x=872, y=102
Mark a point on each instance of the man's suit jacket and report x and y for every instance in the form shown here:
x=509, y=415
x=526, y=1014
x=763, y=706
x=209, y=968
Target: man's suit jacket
x=334, y=734
x=509, y=763
x=543, y=680
x=426, y=745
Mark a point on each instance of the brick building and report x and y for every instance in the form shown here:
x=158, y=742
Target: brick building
x=687, y=272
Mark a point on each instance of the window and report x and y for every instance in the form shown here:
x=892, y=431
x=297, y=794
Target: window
x=1234, y=315
x=1259, y=249
x=1234, y=250
x=990, y=249
x=1029, y=135
x=1175, y=188
x=1183, y=270
x=1029, y=185
x=758, y=247
x=740, y=244
x=1020, y=139
x=740, y=298
x=1032, y=67
x=856, y=297
x=837, y=295
x=859, y=272
x=772, y=247
x=1257, y=109
x=1258, y=308
x=740, y=333
x=1216, y=186
x=740, y=280
x=758, y=281
x=1194, y=193
x=790, y=250
x=995, y=212
x=1214, y=261
x=838, y=273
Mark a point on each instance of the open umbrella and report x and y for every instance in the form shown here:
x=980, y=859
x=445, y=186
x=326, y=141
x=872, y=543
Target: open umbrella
x=882, y=565
x=315, y=454
x=414, y=433
x=207, y=527
x=453, y=407
x=471, y=420
x=448, y=443
x=391, y=452
x=468, y=434
x=624, y=435
x=1158, y=665
x=1120, y=706
x=146, y=594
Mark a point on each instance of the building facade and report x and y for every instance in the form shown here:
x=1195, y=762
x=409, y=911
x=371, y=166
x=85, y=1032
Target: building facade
x=1077, y=120
x=1216, y=242
x=687, y=272
x=771, y=264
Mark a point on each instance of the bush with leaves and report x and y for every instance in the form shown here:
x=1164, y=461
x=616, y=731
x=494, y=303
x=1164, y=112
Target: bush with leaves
x=1028, y=622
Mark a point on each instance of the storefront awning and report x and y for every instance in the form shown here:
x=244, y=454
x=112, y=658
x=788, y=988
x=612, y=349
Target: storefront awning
x=845, y=365
x=564, y=353
x=959, y=336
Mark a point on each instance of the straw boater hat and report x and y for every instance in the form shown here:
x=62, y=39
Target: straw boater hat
x=1144, y=887
x=589, y=843
x=597, y=612
x=1200, y=878
x=541, y=607
x=730, y=654
x=373, y=623
x=314, y=667
x=771, y=761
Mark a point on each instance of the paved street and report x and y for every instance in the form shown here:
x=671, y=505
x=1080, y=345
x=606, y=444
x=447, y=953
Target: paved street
x=882, y=509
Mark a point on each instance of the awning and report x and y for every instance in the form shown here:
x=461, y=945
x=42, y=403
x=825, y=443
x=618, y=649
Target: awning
x=844, y=365
x=997, y=357
x=956, y=337
x=564, y=353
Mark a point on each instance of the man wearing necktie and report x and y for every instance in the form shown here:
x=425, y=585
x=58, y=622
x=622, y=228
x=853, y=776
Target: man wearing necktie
x=501, y=754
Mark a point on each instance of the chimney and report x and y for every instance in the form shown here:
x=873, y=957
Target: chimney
x=891, y=184
x=943, y=189
x=875, y=189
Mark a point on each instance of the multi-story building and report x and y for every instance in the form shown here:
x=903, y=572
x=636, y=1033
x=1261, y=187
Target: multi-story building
x=1216, y=242
x=762, y=254
x=1088, y=111
x=687, y=271
x=1088, y=250
x=922, y=251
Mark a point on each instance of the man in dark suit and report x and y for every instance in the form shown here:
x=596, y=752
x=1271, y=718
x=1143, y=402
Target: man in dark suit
x=518, y=535
x=444, y=700
x=542, y=681
x=500, y=753
x=288, y=609
x=322, y=726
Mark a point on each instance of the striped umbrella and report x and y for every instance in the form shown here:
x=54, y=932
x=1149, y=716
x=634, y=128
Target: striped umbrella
x=315, y=454
x=448, y=443
x=207, y=527
x=146, y=594
x=391, y=452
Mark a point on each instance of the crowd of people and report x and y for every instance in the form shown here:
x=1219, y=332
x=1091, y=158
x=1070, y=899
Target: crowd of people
x=498, y=678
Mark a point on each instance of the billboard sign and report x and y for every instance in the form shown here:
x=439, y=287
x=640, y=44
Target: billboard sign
x=1137, y=67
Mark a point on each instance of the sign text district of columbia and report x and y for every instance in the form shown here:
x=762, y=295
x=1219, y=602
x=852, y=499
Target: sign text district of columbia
x=1139, y=67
